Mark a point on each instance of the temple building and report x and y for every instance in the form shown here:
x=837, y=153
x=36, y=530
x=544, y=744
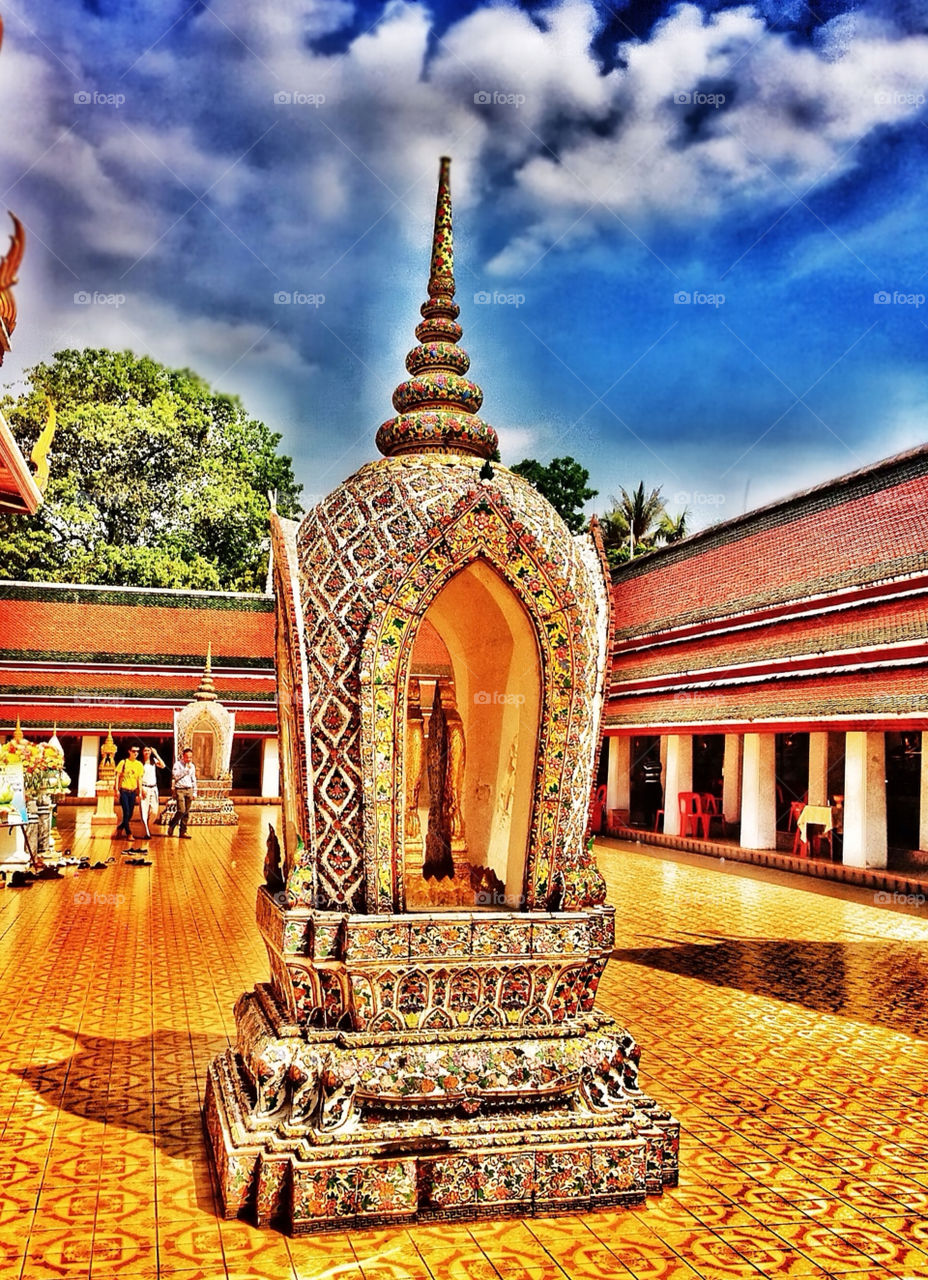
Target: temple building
x=87, y=659
x=781, y=659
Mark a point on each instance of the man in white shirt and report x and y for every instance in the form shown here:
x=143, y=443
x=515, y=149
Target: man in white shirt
x=184, y=779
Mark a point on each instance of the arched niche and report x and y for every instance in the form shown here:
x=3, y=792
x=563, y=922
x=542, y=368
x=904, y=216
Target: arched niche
x=486, y=638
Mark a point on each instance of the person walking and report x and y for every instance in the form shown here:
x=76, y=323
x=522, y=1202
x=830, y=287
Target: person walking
x=126, y=786
x=151, y=762
x=184, y=778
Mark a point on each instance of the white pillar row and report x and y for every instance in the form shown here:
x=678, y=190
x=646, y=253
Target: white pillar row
x=270, y=767
x=87, y=770
x=923, y=805
x=618, y=778
x=678, y=776
x=865, y=800
x=731, y=778
x=818, y=768
x=759, y=792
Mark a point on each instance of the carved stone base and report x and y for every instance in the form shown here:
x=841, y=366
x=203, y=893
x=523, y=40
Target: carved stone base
x=329, y=1129
x=212, y=807
x=105, y=814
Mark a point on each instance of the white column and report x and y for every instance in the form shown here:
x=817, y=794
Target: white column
x=678, y=776
x=865, y=800
x=87, y=771
x=270, y=767
x=731, y=778
x=923, y=805
x=818, y=768
x=759, y=792
x=618, y=779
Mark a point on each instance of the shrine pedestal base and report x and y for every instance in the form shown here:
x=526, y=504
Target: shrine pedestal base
x=105, y=814
x=212, y=806
x=328, y=1130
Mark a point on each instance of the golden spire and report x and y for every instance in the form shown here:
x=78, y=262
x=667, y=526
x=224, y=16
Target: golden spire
x=107, y=769
x=18, y=735
x=437, y=406
x=207, y=690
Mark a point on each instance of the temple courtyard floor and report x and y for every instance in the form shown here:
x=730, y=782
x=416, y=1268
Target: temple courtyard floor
x=784, y=1021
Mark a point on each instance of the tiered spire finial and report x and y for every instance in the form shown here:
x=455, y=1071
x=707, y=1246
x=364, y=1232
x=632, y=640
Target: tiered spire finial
x=206, y=692
x=437, y=406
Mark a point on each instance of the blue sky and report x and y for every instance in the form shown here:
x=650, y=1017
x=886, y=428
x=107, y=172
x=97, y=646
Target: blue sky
x=182, y=165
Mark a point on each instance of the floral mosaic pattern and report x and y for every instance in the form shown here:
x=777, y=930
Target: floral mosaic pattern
x=396, y=532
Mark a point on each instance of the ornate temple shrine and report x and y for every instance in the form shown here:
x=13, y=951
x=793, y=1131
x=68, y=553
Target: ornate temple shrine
x=206, y=727
x=427, y=1046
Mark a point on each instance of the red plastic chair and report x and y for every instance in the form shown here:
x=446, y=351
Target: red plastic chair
x=692, y=818
x=712, y=810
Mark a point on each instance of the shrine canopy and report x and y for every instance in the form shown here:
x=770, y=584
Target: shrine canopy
x=441, y=656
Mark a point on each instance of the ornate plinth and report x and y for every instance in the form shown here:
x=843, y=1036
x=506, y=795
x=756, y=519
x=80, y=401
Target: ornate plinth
x=458, y=1069
x=212, y=806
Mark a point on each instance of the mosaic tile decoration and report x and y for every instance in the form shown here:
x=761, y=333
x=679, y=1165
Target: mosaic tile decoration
x=372, y=558
x=441, y=1063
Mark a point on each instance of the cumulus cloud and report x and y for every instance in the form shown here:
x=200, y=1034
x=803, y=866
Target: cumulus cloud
x=252, y=153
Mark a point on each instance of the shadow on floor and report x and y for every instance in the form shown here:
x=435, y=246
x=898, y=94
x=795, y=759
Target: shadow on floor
x=150, y=1085
x=882, y=983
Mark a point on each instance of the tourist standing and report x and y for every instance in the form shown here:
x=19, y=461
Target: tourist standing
x=126, y=786
x=184, y=777
x=151, y=762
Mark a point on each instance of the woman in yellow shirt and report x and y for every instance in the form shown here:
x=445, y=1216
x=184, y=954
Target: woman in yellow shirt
x=126, y=786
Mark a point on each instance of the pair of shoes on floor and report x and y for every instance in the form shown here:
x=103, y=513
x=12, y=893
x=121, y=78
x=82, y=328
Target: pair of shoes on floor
x=141, y=861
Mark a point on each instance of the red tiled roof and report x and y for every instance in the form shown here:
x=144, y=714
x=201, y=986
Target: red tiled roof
x=68, y=681
x=39, y=619
x=884, y=624
x=796, y=549
x=844, y=701
x=95, y=720
x=812, y=609
x=87, y=657
x=430, y=654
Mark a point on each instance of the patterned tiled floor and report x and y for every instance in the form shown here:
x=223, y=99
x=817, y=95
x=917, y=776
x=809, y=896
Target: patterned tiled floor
x=785, y=1027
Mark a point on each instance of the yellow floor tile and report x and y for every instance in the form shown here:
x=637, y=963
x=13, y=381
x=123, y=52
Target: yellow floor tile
x=767, y=1019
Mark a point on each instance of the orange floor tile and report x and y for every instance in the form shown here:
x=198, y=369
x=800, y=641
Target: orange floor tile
x=785, y=1026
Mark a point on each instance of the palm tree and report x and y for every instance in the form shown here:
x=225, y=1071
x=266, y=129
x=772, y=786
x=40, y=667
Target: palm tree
x=639, y=512
x=673, y=528
x=639, y=521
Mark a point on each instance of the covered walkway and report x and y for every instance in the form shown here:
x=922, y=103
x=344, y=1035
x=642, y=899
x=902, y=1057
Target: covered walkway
x=786, y=1028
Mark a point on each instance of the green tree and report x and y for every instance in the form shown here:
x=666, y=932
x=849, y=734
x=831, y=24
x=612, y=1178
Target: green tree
x=673, y=528
x=564, y=483
x=639, y=522
x=156, y=480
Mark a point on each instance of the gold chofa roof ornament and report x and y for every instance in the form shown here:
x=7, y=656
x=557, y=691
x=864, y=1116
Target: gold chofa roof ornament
x=437, y=406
